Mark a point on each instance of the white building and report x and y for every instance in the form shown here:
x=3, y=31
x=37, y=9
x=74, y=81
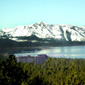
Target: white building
x=25, y=59
x=28, y=59
x=40, y=58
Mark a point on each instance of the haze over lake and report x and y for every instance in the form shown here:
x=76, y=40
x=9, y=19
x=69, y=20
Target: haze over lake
x=64, y=52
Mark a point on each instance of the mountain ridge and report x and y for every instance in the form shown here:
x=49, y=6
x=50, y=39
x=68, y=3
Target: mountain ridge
x=44, y=31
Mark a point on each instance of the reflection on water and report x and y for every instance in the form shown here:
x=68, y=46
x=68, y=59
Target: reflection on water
x=66, y=52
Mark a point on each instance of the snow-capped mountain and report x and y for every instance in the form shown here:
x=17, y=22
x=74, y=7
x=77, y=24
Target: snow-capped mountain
x=46, y=31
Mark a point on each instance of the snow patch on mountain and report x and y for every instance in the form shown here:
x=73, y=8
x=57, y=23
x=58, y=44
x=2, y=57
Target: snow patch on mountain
x=44, y=30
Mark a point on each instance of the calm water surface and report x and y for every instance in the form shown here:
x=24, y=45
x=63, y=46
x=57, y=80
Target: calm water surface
x=65, y=52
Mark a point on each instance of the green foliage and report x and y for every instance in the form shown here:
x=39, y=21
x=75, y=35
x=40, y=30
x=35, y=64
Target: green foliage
x=54, y=71
x=11, y=73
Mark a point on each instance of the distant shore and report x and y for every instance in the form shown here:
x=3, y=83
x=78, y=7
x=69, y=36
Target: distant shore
x=24, y=49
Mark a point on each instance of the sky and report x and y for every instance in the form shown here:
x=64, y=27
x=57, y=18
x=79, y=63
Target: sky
x=24, y=12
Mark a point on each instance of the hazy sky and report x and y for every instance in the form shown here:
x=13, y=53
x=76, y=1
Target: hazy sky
x=24, y=12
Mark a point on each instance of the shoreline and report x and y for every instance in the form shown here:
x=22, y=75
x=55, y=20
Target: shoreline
x=22, y=49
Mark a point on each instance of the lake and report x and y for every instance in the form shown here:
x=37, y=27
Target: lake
x=58, y=52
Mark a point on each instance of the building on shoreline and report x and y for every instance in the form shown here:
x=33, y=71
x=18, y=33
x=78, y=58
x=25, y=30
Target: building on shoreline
x=39, y=59
x=25, y=59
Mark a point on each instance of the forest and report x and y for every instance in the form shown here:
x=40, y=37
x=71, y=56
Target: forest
x=54, y=71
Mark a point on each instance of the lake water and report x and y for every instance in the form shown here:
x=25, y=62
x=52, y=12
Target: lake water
x=64, y=52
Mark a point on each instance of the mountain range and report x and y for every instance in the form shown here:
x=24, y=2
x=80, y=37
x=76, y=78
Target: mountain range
x=42, y=33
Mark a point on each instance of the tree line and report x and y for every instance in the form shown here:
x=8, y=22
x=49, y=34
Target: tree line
x=54, y=71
